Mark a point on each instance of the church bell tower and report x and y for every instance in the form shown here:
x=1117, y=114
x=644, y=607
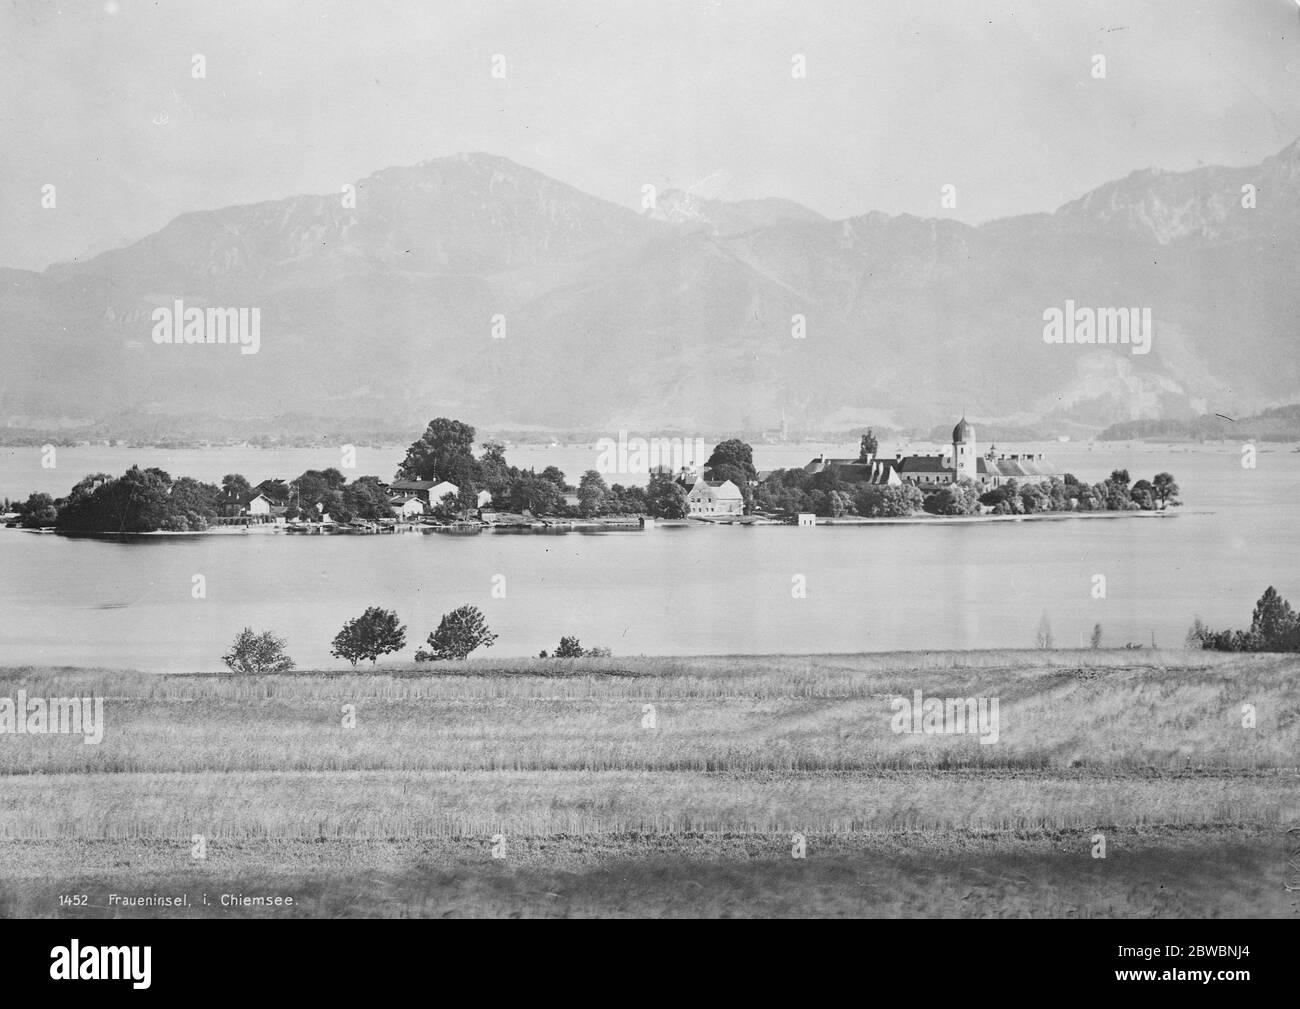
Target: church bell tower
x=963, y=450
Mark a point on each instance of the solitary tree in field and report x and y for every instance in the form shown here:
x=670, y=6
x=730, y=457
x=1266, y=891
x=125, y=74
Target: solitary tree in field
x=257, y=654
x=1096, y=636
x=376, y=632
x=569, y=648
x=460, y=632
x=1044, y=637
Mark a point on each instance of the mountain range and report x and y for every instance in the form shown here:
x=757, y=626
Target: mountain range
x=473, y=287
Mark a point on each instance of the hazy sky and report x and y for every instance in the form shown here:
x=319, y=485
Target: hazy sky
x=901, y=97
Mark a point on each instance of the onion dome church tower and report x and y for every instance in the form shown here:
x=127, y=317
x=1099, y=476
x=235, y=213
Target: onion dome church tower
x=963, y=450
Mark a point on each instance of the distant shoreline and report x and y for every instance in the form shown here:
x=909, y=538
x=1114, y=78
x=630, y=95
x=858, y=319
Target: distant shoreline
x=563, y=527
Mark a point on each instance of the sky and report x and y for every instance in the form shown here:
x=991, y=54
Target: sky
x=900, y=98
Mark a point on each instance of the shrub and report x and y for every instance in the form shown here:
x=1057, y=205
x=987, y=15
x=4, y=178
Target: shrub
x=257, y=654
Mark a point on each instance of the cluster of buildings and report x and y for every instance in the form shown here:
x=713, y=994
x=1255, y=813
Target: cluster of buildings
x=964, y=461
x=933, y=472
x=408, y=500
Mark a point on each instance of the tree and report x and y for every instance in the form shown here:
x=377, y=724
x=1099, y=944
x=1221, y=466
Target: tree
x=323, y=487
x=533, y=493
x=961, y=498
x=1143, y=495
x=1273, y=620
x=190, y=495
x=665, y=498
x=37, y=511
x=556, y=476
x=867, y=447
x=1096, y=636
x=192, y=505
x=234, y=489
x=446, y=507
x=1120, y=477
x=459, y=633
x=1044, y=637
x=1165, y=490
x=443, y=452
x=365, y=498
x=1274, y=627
x=733, y=452
x=494, y=473
x=1113, y=496
x=255, y=654
x=467, y=499
x=569, y=648
x=1058, y=495
x=1033, y=498
x=376, y=632
x=839, y=503
x=136, y=502
x=592, y=493
x=876, y=501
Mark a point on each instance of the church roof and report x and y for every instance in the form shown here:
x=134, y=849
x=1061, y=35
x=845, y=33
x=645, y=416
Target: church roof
x=963, y=432
x=923, y=464
x=1018, y=468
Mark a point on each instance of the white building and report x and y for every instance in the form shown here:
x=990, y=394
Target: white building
x=722, y=498
x=406, y=508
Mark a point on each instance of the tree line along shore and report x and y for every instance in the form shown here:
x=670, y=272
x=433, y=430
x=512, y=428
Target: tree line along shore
x=442, y=482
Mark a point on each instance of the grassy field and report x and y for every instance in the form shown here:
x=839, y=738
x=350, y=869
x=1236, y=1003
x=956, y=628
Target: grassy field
x=550, y=765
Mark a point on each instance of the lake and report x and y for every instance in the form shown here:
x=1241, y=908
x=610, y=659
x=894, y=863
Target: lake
x=695, y=590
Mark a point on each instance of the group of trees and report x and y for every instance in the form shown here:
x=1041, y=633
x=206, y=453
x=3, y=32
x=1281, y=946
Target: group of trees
x=1274, y=627
x=828, y=493
x=833, y=493
x=140, y=500
x=571, y=648
x=379, y=632
x=1070, y=494
x=147, y=500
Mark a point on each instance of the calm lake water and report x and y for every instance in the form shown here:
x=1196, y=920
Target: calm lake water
x=694, y=590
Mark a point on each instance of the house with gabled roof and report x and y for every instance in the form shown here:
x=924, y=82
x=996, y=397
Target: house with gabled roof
x=428, y=491
x=715, y=497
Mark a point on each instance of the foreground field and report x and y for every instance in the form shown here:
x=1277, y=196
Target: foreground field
x=660, y=787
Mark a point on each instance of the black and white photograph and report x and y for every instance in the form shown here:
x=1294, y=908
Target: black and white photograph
x=651, y=459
